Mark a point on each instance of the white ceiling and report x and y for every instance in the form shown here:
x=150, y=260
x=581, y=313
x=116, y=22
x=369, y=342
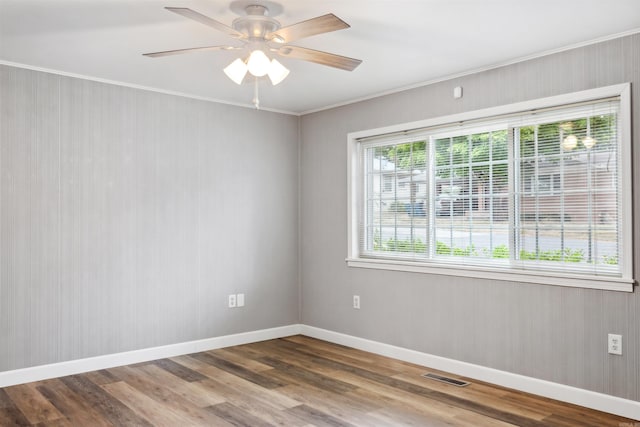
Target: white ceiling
x=402, y=43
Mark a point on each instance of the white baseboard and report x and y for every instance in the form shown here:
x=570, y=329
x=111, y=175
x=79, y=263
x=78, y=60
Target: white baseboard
x=599, y=401
x=54, y=370
x=590, y=399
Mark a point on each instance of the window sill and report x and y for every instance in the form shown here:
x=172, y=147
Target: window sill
x=540, y=278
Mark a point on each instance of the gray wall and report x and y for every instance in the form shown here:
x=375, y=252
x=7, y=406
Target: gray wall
x=126, y=217
x=553, y=333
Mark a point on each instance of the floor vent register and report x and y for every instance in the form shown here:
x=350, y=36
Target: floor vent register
x=447, y=380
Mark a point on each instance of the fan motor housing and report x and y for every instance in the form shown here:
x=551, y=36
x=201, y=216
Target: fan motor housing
x=256, y=24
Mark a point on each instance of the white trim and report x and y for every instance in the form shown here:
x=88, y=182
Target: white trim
x=348, y=102
x=561, y=392
x=354, y=176
x=577, y=396
x=511, y=275
x=626, y=181
x=488, y=113
x=353, y=173
x=140, y=87
x=71, y=367
x=474, y=71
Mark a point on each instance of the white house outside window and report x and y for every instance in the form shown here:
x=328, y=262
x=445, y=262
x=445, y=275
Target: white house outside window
x=540, y=194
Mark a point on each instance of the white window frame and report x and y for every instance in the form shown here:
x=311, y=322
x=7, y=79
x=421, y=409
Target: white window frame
x=355, y=200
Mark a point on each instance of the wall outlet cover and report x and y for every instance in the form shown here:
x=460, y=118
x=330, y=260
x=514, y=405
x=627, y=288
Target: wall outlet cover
x=356, y=301
x=615, y=344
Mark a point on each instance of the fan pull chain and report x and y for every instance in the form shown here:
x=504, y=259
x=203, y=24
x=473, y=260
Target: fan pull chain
x=256, y=98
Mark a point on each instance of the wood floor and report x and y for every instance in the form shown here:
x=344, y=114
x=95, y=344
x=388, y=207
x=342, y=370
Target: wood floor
x=294, y=381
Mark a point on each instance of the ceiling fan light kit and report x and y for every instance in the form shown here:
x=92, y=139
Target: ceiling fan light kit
x=236, y=70
x=258, y=65
x=262, y=37
x=277, y=72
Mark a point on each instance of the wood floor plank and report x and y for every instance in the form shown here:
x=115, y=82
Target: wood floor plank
x=472, y=419
x=578, y=414
x=178, y=370
x=295, y=381
x=71, y=405
x=483, y=395
x=111, y=408
x=384, y=366
x=304, y=359
x=194, y=392
x=11, y=416
x=318, y=418
x=432, y=394
x=400, y=402
x=300, y=374
x=480, y=394
x=237, y=416
x=163, y=395
x=258, y=405
x=394, y=417
x=101, y=377
x=269, y=404
x=239, y=391
x=240, y=359
x=157, y=413
x=60, y=422
x=35, y=407
x=275, y=351
x=236, y=370
x=348, y=408
x=359, y=357
x=144, y=406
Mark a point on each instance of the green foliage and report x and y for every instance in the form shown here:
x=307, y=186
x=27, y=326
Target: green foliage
x=442, y=249
x=409, y=156
x=548, y=140
x=527, y=256
x=377, y=242
x=573, y=255
x=568, y=255
x=458, y=157
x=501, y=251
x=468, y=251
x=550, y=135
x=610, y=260
x=396, y=245
x=461, y=156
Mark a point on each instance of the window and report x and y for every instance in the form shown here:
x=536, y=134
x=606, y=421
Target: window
x=543, y=184
x=536, y=192
x=388, y=183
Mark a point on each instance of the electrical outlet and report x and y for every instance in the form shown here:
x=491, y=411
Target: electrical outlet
x=356, y=301
x=232, y=301
x=615, y=344
x=240, y=300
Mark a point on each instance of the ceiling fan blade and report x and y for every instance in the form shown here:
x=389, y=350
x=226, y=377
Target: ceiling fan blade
x=188, y=50
x=319, y=57
x=192, y=14
x=321, y=24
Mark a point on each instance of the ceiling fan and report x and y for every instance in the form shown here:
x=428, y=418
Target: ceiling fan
x=262, y=37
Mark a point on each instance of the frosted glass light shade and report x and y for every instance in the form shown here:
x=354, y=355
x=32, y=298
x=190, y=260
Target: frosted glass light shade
x=277, y=72
x=258, y=63
x=236, y=70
